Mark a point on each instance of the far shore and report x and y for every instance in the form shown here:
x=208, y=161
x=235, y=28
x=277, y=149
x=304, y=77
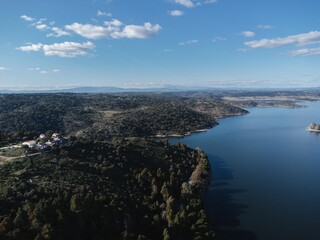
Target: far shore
x=180, y=135
x=189, y=133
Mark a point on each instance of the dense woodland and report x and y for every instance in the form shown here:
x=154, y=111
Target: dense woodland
x=105, y=116
x=125, y=189
x=110, y=181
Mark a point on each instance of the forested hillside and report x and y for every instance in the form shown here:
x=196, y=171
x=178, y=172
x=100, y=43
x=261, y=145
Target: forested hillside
x=125, y=189
x=109, y=180
x=106, y=116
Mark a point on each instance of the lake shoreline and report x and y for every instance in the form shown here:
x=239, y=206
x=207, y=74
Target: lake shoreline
x=189, y=133
x=313, y=130
x=232, y=202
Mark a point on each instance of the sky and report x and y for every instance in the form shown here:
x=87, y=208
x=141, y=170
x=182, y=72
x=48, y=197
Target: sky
x=48, y=44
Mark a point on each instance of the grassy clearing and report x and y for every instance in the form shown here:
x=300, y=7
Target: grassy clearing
x=12, y=152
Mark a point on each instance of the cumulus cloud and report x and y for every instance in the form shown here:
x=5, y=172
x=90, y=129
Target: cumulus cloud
x=103, y=14
x=114, y=29
x=135, y=31
x=188, y=42
x=42, y=26
x=92, y=31
x=176, y=13
x=68, y=49
x=57, y=32
x=31, y=47
x=305, y=52
x=65, y=49
x=2, y=69
x=248, y=34
x=27, y=18
x=185, y=3
x=298, y=40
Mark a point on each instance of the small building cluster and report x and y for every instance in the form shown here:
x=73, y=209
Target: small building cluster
x=44, y=142
x=314, y=127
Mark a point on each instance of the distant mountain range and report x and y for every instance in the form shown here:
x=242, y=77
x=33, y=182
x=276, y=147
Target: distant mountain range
x=132, y=90
x=103, y=90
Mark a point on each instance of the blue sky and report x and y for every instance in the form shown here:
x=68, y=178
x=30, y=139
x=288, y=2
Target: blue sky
x=125, y=43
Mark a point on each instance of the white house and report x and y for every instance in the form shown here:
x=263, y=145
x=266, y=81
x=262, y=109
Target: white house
x=42, y=136
x=30, y=144
x=55, y=135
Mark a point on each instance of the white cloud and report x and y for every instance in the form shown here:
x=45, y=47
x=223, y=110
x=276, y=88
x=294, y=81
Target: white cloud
x=39, y=22
x=114, y=29
x=2, y=69
x=248, y=34
x=135, y=31
x=66, y=49
x=113, y=22
x=57, y=32
x=27, y=18
x=210, y=1
x=298, y=40
x=34, y=69
x=42, y=27
x=37, y=69
x=110, y=29
x=103, y=14
x=31, y=47
x=176, y=13
x=193, y=3
x=305, y=52
x=185, y=3
x=188, y=42
x=265, y=26
x=92, y=31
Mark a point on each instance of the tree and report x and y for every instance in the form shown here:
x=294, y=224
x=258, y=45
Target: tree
x=164, y=191
x=165, y=234
x=75, y=203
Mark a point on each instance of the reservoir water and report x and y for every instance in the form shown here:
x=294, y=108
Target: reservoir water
x=265, y=181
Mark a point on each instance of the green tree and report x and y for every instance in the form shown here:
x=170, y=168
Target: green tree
x=165, y=234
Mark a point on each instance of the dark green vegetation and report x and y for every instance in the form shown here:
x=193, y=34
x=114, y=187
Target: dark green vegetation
x=105, y=116
x=124, y=189
x=110, y=181
x=102, y=185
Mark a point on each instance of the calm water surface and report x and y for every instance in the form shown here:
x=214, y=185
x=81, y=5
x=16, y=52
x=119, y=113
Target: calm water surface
x=266, y=174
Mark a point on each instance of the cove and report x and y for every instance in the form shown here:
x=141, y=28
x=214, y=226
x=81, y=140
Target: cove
x=265, y=181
